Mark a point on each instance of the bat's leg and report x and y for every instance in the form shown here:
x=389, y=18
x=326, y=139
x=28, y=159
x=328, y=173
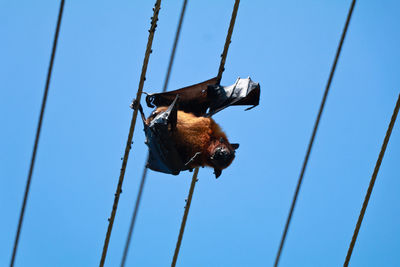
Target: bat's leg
x=137, y=106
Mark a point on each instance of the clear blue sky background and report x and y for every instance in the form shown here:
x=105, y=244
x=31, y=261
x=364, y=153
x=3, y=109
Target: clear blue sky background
x=237, y=220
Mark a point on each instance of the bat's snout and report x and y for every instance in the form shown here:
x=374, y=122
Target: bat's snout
x=222, y=157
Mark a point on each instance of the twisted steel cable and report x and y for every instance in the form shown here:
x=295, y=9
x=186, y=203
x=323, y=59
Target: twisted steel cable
x=196, y=171
x=152, y=30
x=144, y=174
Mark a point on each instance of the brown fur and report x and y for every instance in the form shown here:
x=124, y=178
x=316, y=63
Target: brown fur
x=197, y=134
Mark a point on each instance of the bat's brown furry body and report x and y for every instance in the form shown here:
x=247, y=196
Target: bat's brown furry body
x=195, y=134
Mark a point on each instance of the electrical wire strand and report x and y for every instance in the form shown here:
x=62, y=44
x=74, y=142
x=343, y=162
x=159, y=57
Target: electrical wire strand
x=372, y=182
x=38, y=130
x=185, y=215
x=196, y=171
x=152, y=30
x=311, y=142
x=133, y=219
x=144, y=173
x=227, y=41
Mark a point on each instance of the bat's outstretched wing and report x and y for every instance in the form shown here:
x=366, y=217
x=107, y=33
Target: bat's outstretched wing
x=199, y=98
x=193, y=98
x=244, y=92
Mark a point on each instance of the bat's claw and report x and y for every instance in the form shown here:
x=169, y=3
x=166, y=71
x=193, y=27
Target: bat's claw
x=135, y=104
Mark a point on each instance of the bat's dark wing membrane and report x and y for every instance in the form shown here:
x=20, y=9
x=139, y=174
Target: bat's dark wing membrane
x=199, y=98
x=243, y=92
x=192, y=99
x=163, y=156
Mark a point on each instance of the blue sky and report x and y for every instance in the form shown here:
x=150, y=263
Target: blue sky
x=237, y=220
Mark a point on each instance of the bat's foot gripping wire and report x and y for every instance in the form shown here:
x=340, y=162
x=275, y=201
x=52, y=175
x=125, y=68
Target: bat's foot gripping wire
x=137, y=106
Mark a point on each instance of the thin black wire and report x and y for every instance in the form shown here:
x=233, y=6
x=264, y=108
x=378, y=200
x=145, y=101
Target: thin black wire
x=196, y=171
x=144, y=174
x=227, y=41
x=310, y=144
x=372, y=182
x=172, y=57
x=38, y=130
x=152, y=30
x=133, y=219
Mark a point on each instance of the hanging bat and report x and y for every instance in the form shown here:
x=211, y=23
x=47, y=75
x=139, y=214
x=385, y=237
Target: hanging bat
x=180, y=133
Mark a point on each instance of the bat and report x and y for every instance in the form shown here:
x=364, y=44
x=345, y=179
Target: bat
x=181, y=134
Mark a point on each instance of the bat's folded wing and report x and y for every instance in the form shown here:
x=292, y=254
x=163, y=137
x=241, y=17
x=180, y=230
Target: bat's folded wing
x=163, y=156
x=199, y=98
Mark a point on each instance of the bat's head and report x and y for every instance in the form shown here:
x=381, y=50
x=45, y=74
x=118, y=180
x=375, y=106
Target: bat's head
x=222, y=156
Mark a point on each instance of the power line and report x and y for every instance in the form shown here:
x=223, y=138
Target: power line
x=372, y=182
x=144, y=174
x=133, y=219
x=185, y=215
x=153, y=27
x=310, y=144
x=38, y=130
x=227, y=41
x=196, y=171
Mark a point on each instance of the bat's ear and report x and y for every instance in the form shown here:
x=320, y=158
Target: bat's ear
x=235, y=146
x=217, y=173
